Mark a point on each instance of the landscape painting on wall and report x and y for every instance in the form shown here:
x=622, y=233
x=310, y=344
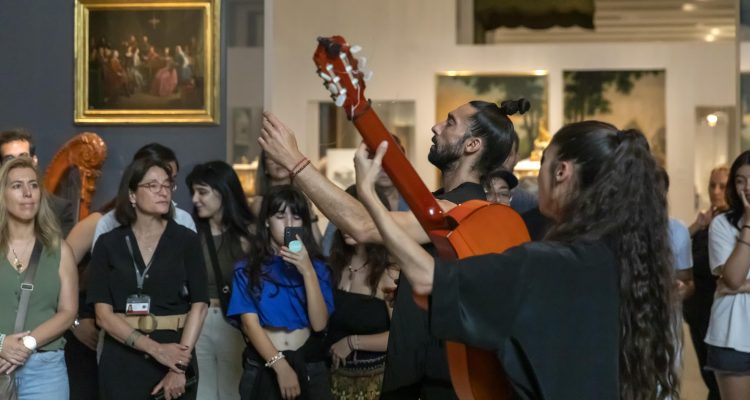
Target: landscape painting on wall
x=627, y=99
x=454, y=90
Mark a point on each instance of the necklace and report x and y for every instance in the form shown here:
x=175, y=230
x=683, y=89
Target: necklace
x=16, y=261
x=352, y=270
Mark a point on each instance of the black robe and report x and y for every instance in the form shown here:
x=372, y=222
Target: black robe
x=549, y=310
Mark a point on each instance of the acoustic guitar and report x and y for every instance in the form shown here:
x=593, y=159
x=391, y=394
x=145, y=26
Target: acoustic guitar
x=472, y=228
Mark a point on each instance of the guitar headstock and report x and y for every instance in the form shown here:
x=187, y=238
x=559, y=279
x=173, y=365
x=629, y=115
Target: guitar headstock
x=341, y=73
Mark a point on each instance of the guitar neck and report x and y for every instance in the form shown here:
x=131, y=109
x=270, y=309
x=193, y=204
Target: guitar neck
x=421, y=202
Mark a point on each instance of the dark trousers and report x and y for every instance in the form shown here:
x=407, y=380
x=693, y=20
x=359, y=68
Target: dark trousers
x=83, y=374
x=259, y=382
x=427, y=389
x=697, y=319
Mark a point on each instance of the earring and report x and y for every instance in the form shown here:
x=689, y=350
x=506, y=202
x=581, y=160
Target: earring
x=132, y=204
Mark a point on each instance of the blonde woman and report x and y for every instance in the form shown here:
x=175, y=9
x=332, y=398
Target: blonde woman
x=26, y=222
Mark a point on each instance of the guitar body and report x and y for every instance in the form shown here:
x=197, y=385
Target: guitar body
x=476, y=373
x=473, y=228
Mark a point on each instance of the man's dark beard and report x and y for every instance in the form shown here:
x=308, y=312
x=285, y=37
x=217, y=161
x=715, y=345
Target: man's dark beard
x=445, y=158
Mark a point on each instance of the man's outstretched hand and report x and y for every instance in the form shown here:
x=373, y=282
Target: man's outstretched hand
x=278, y=141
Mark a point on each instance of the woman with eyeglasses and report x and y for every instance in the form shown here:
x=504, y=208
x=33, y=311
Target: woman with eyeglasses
x=148, y=285
x=224, y=221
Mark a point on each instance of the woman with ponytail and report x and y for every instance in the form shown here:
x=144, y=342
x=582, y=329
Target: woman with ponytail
x=589, y=312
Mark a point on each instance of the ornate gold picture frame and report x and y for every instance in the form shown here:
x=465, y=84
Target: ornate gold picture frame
x=147, y=62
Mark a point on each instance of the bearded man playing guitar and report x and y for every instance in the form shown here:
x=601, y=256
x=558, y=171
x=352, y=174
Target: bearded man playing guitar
x=475, y=138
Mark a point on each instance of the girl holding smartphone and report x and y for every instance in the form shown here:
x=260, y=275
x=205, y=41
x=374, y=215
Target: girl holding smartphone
x=283, y=298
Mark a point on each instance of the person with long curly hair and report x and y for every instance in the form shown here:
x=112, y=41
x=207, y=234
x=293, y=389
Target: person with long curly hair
x=587, y=313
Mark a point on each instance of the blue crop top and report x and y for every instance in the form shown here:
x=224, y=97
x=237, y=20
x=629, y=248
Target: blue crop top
x=282, y=302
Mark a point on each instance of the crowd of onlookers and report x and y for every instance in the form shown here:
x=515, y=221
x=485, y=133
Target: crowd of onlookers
x=247, y=299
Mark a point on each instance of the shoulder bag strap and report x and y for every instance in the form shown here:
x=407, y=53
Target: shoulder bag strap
x=219, y=278
x=28, y=286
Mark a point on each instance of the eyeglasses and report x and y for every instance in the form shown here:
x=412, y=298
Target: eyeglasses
x=502, y=197
x=156, y=187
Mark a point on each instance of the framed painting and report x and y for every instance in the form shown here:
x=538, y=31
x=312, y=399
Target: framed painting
x=627, y=99
x=147, y=61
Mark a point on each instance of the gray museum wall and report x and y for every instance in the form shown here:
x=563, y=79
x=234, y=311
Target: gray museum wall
x=37, y=93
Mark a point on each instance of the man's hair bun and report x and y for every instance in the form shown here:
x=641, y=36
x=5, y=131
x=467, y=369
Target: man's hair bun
x=510, y=107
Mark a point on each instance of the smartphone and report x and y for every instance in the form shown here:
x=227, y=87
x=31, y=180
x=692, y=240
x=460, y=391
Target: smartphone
x=291, y=233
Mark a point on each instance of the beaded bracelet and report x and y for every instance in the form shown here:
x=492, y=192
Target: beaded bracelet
x=291, y=171
x=298, y=170
x=275, y=359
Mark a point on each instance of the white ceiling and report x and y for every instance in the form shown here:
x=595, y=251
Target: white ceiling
x=640, y=20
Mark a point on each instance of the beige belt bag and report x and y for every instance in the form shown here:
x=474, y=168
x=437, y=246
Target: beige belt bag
x=150, y=323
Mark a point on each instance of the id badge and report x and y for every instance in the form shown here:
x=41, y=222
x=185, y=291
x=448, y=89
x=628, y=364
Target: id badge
x=138, y=304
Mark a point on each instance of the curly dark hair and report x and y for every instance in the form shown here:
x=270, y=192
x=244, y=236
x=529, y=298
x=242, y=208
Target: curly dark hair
x=620, y=199
x=341, y=253
x=278, y=198
x=736, y=208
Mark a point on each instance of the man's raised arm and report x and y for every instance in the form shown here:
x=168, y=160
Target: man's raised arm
x=346, y=212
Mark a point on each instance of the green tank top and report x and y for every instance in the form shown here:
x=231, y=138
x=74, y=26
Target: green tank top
x=43, y=301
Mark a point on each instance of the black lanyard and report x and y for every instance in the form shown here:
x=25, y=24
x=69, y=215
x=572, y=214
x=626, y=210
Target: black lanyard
x=140, y=277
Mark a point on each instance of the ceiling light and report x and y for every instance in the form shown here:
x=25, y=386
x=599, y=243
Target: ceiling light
x=540, y=72
x=687, y=7
x=712, y=119
x=715, y=31
x=710, y=38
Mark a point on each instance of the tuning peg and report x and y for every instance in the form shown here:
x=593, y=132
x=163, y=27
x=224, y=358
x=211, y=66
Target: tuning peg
x=325, y=76
x=368, y=76
x=333, y=89
x=355, y=82
x=341, y=98
x=361, y=62
x=329, y=67
x=355, y=49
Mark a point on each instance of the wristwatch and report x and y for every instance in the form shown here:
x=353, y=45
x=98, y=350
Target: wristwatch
x=29, y=342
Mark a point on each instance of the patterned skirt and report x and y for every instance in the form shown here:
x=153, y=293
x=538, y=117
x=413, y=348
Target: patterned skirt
x=359, y=379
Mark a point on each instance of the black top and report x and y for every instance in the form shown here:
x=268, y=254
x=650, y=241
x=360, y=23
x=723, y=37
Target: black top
x=176, y=279
x=412, y=352
x=536, y=223
x=63, y=209
x=549, y=311
x=357, y=314
x=705, y=282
